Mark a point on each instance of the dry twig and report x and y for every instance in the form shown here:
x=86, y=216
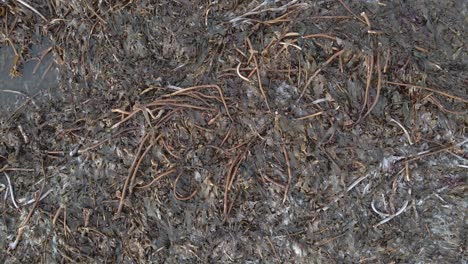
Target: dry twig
x=177, y=196
x=19, y=234
x=309, y=81
x=130, y=174
x=252, y=52
x=430, y=90
x=286, y=158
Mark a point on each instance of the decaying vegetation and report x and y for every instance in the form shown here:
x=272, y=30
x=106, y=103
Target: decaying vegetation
x=237, y=131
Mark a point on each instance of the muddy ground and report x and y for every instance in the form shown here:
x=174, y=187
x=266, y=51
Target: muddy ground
x=236, y=132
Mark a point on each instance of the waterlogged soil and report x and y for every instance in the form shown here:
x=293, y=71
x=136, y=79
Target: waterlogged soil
x=236, y=132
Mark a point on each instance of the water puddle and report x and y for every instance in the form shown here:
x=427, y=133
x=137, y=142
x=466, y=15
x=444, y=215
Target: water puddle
x=37, y=76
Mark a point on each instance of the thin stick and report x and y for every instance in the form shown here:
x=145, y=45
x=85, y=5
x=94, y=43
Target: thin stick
x=226, y=137
x=32, y=9
x=379, y=87
x=377, y=211
x=279, y=38
x=319, y=36
x=433, y=151
x=370, y=71
x=120, y=111
x=236, y=168
x=180, y=198
x=268, y=179
x=65, y=220
x=318, y=71
x=30, y=99
x=328, y=240
x=433, y=100
x=96, y=14
x=162, y=103
x=132, y=180
x=366, y=19
x=279, y=19
x=185, y=90
x=19, y=234
x=407, y=173
x=169, y=150
x=130, y=173
x=240, y=75
x=56, y=216
x=310, y=116
x=6, y=168
x=155, y=179
x=227, y=184
x=404, y=130
x=286, y=157
x=272, y=247
x=390, y=217
x=387, y=60
x=230, y=177
x=331, y=17
x=33, y=200
x=356, y=182
x=258, y=74
x=12, y=194
x=429, y=89
x=351, y=12
x=126, y=118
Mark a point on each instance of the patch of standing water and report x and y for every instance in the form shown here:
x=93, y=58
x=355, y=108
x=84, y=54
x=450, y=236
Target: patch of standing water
x=37, y=77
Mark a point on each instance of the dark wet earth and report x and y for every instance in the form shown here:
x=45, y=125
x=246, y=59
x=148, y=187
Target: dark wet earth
x=233, y=131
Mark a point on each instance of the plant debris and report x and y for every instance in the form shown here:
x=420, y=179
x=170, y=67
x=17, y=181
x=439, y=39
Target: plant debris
x=236, y=131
